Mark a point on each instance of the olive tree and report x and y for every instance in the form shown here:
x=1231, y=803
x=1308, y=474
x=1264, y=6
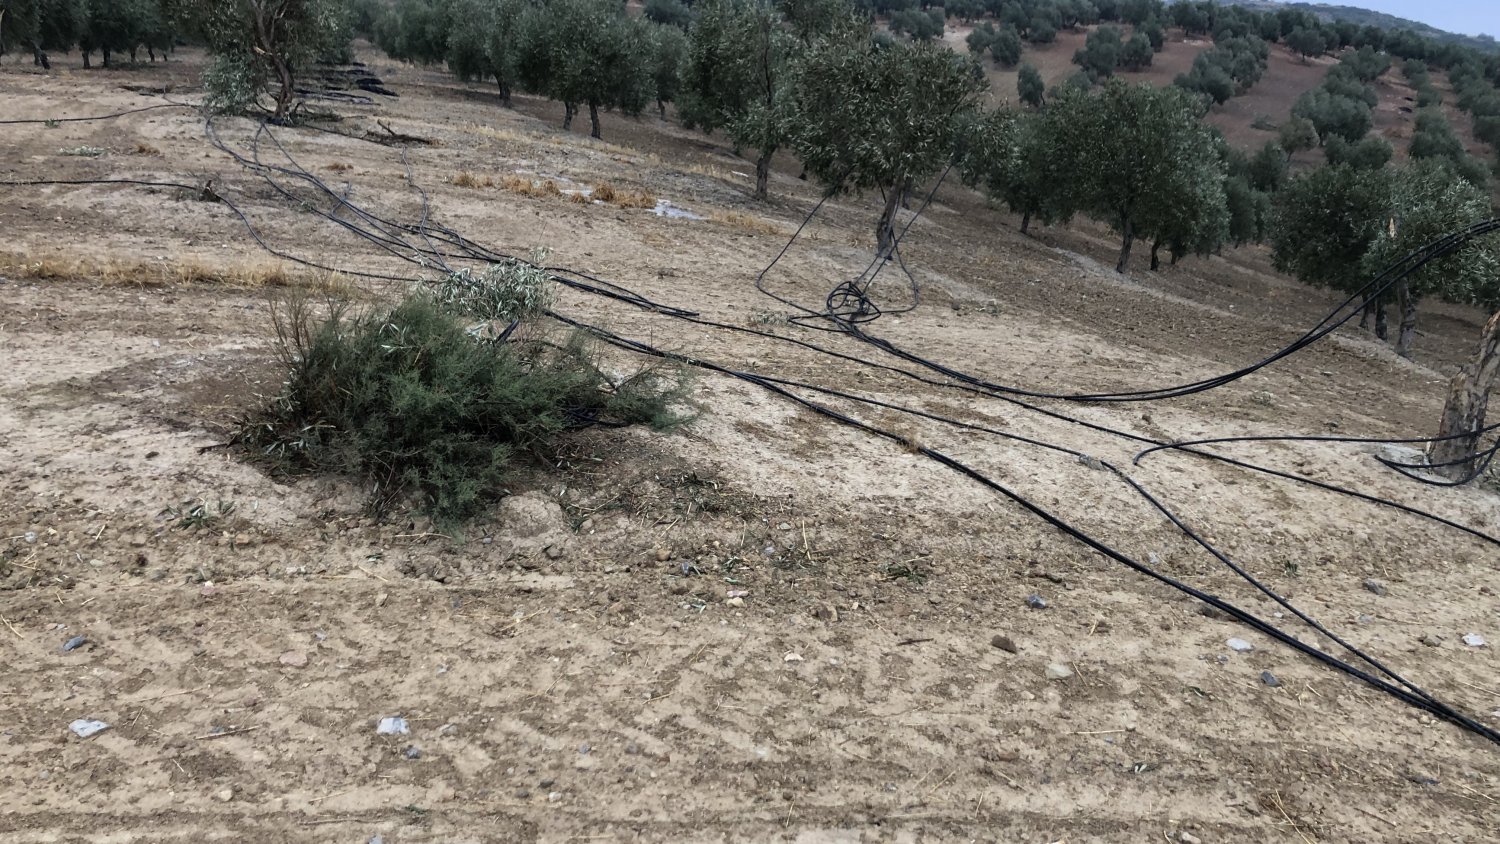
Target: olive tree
x=1005, y=154
x=588, y=52
x=736, y=77
x=1130, y=153
x=1427, y=201
x=866, y=116
x=1030, y=87
x=668, y=48
x=1324, y=223
x=261, y=46
x=39, y=27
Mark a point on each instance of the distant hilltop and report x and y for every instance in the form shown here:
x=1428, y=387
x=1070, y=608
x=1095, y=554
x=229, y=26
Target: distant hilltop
x=1365, y=17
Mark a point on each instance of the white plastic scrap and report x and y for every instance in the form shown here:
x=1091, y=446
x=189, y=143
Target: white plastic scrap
x=392, y=727
x=84, y=727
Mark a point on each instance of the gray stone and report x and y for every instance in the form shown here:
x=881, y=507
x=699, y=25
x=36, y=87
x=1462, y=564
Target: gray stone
x=1058, y=671
x=1374, y=587
x=1269, y=679
x=1239, y=646
x=413, y=752
x=1036, y=602
x=75, y=643
x=1004, y=643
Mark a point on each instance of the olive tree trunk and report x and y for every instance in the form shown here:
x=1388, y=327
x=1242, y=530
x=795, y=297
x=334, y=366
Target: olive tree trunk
x=594, y=120
x=1025, y=222
x=569, y=109
x=1127, y=239
x=885, y=230
x=1408, y=329
x=1156, y=254
x=763, y=172
x=1468, y=399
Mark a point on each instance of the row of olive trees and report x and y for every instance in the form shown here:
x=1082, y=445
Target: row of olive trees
x=1136, y=157
x=108, y=27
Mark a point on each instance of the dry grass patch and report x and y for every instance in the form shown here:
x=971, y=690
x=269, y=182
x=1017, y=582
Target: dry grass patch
x=133, y=273
x=748, y=222
x=143, y=148
x=339, y=167
x=526, y=187
x=465, y=179
x=607, y=193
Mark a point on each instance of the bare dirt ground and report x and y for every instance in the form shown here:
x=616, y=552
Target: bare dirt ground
x=575, y=668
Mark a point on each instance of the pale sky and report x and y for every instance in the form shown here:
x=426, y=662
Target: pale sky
x=1470, y=17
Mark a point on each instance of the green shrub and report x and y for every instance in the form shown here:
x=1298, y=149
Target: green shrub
x=418, y=405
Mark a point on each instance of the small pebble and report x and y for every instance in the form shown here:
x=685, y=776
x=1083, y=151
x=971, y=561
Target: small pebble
x=735, y=602
x=1374, y=587
x=1239, y=646
x=632, y=749
x=1004, y=643
x=553, y=797
x=523, y=793
x=376, y=839
x=74, y=643
x=1188, y=838
x=1269, y=679
x=392, y=727
x=1036, y=602
x=225, y=795
x=1058, y=671
x=583, y=749
x=546, y=783
x=791, y=656
x=662, y=555
x=294, y=659
x=413, y=752
x=448, y=730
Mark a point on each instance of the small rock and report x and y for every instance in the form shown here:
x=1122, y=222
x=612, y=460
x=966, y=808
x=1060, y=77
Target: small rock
x=137, y=540
x=1432, y=640
x=1421, y=778
x=662, y=555
x=84, y=728
x=1036, y=602
x=1092, y=462
x=735, y=602
x=243, y=540
x=738, y=593
x=392, y=727
x=583, y=749
x=208, y=589
x=294, y=659
x=225, y=795
x=448, y=730
x=546, y=783
x=1188, y=838
x=1365, y=619
x=1239, y=646
x=1004, y=643
x=632, y=749
x=826, y=612
x=376, y=839
x=1269, y=679
x=381, y=599
x=678, y=588
x=1058, y=671
x=523, y=793
x=1474, y=640
x=1374, y=587
x=554, y=796
x=792, y=656
x=784, y=526
x=413, y=752
x=75, y=643
x=554, y=552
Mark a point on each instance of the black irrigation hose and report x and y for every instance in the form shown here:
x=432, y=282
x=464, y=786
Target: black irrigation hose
x=52, y=120
x=866, y=311
x=1410, y=695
